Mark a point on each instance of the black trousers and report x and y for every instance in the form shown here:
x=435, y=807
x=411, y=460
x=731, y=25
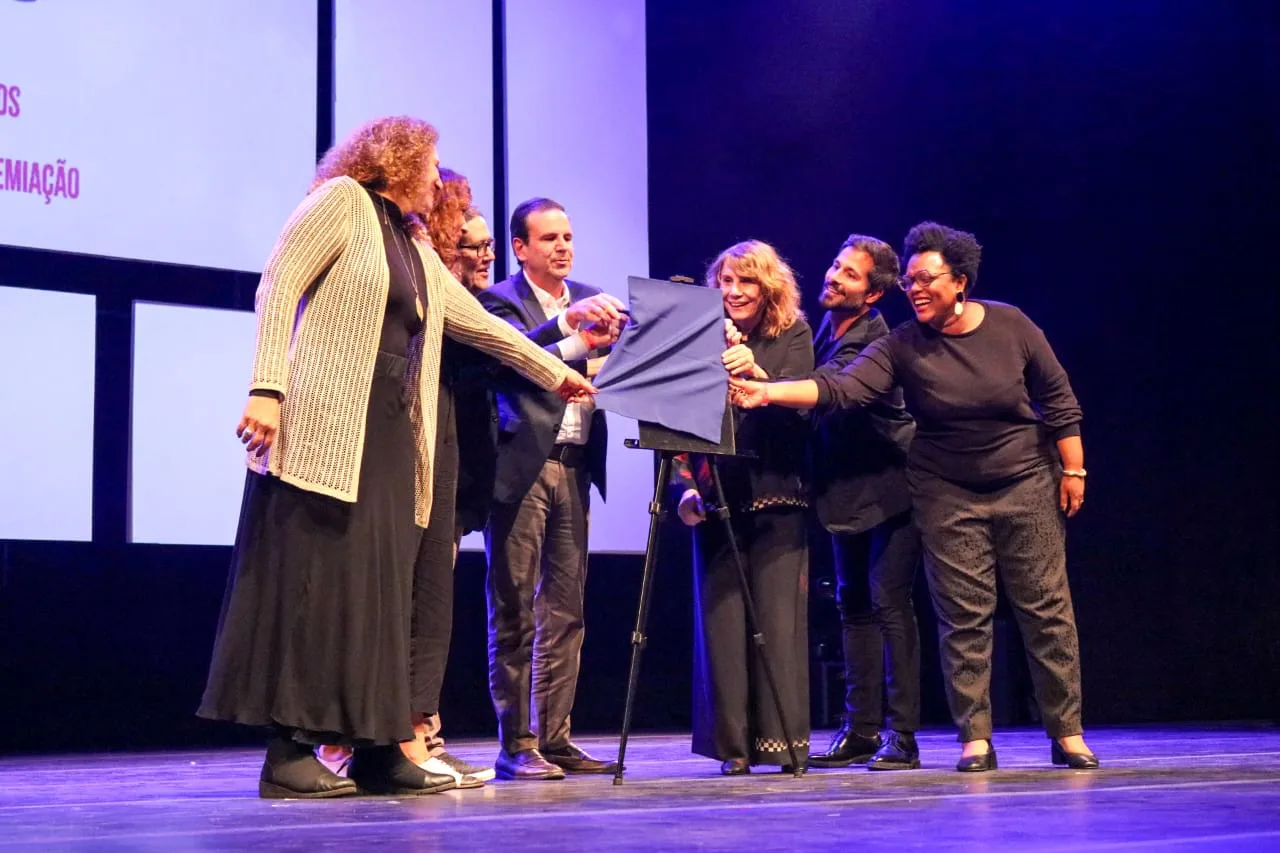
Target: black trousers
x=875, y=573
x=1017, y=530
x=733, y=711
x=536, y=586
x=432, y=625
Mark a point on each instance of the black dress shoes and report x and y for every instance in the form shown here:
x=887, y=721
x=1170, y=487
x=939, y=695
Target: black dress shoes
x=292, y=771
x=899, y=752
x=846, y=748
x=525, y=764
x=1073, y=760
x=386, y=771
x=979, y=763
x=735, y=767
x=574, y=759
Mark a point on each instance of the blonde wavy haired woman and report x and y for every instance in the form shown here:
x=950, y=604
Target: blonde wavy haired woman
x=340, y=432
x=734, y=719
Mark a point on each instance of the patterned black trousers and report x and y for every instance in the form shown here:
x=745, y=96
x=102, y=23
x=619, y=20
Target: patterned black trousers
x=1015, y=530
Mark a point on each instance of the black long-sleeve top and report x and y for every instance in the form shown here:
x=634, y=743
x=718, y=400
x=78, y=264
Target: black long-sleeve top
x=988, y=404
x=406, y=288
x=776, y=474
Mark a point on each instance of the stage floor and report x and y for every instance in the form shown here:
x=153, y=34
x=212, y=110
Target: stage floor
x=1192, y=788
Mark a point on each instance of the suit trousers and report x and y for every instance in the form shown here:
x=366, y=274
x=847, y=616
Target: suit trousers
x=1015, y=529
x=875, y=573
x=535, y=586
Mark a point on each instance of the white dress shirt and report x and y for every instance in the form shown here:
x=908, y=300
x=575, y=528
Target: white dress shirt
x=576, y=426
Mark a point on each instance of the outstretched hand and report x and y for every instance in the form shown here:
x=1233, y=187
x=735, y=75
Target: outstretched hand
x=600, y=335
x=601, y=309
x=748, y=394
x=732, y=337
x=575, y=388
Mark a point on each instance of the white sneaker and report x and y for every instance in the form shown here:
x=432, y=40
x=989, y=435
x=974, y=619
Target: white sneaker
x=465, y=780
x=457, y=765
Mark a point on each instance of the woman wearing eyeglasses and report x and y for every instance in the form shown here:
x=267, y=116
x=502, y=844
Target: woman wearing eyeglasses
x=475, y=252
x=996, y=463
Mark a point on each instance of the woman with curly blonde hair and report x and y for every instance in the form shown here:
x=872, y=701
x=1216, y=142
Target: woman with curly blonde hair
x=734, y=718
x=340, y=430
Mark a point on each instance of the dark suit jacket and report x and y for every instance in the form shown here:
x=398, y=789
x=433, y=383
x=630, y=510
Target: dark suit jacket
x=528, y=417
x=859, y=455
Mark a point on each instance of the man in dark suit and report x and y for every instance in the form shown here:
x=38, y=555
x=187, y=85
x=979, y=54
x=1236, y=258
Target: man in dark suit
x=549, y=454
x=862, y=500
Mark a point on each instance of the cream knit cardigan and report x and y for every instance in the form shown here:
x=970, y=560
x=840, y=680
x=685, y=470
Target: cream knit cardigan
x=320, y=307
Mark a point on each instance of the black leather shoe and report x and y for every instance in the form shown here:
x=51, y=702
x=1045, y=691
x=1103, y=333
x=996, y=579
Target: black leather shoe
x=384, y=770
x=979, y=763
x=900, y=752
x=292, y=771
x=574, y=759
x=846, y=748
x=1073, y=760
x=735, y=767
x=525, y=764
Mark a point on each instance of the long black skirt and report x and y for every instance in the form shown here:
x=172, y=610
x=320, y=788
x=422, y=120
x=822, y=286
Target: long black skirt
x=314, y=633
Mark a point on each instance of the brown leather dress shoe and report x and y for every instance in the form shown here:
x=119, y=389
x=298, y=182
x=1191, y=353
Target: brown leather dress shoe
x=525, y=764
x=574, y=759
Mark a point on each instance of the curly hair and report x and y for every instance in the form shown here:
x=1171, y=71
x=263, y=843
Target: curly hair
x=385, y=154
x=758, y=260
x=884, y=270
x=959, y=249
x=445, y=221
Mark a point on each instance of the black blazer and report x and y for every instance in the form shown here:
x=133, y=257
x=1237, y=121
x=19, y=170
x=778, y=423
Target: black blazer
x=528, y=417
x=859, y=455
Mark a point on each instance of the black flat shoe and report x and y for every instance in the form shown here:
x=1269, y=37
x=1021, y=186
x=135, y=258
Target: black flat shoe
x=900, y=752
x=385, y=771
x=735, y=767
x=979, y=763
x=291, y=771
x=846, y=748
x=1073, y=760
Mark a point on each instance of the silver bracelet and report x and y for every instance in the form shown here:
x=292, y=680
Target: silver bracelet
x=1075, y=472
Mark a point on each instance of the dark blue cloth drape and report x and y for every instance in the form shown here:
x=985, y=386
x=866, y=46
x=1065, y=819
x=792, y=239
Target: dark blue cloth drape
x=666, y=367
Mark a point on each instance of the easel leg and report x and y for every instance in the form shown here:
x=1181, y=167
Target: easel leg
x=757, y=636
x=638, y=637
